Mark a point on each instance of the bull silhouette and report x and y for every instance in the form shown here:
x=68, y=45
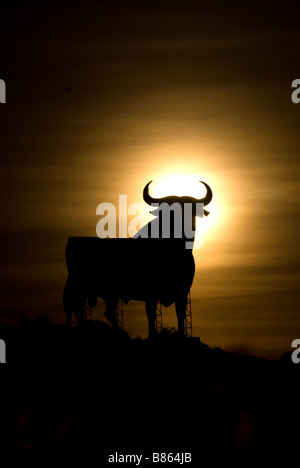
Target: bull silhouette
x=151, y=267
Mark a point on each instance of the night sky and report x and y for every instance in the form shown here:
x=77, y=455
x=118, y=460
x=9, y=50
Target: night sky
x=103, y=97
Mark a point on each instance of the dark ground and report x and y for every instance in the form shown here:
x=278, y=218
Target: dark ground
x=94, y=386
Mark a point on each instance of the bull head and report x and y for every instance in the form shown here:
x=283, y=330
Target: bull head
x=175, y=199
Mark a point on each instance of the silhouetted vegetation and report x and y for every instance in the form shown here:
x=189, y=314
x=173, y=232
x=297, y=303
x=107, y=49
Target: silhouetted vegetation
x=94, y=385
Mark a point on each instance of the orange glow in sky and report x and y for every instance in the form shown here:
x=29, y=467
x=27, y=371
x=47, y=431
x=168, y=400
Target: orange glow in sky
x=173, y=95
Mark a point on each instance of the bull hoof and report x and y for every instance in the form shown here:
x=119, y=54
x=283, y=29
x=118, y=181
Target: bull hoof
x=151, y=335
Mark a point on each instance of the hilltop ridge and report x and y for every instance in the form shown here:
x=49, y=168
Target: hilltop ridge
x=70, y=386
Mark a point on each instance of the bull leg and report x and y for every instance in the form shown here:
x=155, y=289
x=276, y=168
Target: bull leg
x=151, y=314
x=79, y=309
x=180, y=305
x=111, y=311
x=67, y=301
x=73, y=301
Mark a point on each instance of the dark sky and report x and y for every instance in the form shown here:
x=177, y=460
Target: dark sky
x=103, y=97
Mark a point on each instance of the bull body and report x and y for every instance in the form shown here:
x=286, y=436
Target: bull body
x=150, y=270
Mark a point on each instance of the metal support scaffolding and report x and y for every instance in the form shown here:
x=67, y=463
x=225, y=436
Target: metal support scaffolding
x=188, y=329
x=158, y=319
x=119, y=314
x=88, y=311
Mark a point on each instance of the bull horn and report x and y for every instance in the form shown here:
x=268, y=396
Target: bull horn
x=208, y=197
x=149, y=200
